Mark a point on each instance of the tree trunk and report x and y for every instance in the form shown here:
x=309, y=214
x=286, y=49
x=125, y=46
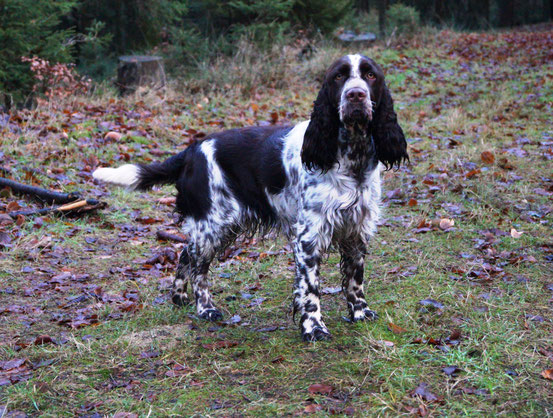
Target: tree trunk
x=140, y=71
x=507, y=13
x=440, y=9
x=478, y=13
x=485, y=13
x=382, y=6
x=363, y=5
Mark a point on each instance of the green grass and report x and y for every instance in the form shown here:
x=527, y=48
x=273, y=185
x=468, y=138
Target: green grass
x=156, y=360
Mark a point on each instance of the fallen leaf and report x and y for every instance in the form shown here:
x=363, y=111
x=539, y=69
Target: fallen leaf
x=395, y=328
x=384, y=343
x=234, y=319
x=547, y=374
x=12, y=364
x=331, y=290
x=167, y=200
x=150, y=354
x=148, y=220
x=423, y=392
x=5, y=239
x=312, y=407
x=487, y=157
x=505, y=164
x=451, y=370
x=431, y=303
x=44, y=339
x=446, y=223
x=349, y=411
x=124, y=415
x=177, y=370
x=515, y=233
x=472, y=173
x=320, y=388
x=13, y=206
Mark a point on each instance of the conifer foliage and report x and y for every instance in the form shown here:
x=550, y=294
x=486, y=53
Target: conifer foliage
x=30, y=28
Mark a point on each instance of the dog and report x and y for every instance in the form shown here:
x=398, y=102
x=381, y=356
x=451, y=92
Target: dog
x=317, y=181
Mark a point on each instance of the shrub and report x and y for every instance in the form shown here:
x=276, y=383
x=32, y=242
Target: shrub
x=213, y=31
x=403, y=19
x=56, y=81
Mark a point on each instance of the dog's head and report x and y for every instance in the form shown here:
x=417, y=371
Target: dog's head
x=354, y=95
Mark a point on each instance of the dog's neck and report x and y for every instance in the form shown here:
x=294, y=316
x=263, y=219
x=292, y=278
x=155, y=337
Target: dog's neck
x=356, y=151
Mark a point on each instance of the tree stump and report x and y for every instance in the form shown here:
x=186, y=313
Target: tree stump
x=140, y=71
x=351, y=37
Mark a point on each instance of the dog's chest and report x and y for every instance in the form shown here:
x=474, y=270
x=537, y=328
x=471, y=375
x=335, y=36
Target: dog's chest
x=345, y=198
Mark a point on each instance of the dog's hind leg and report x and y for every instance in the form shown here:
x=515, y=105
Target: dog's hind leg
x=200, y=285
x=206, y=239
x=178, y=292
x=194, y=267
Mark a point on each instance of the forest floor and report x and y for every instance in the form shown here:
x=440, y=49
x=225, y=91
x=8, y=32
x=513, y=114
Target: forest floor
x=461, y=270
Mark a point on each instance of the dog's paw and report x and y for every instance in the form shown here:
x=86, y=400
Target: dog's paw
x=364, y=315
x=316, y=334
x=180, y=299
x=211, y=315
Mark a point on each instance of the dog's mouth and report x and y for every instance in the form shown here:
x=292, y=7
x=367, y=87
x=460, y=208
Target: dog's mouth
x=356, y=115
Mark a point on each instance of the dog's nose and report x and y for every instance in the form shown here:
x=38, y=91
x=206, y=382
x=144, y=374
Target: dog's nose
x=356, y=95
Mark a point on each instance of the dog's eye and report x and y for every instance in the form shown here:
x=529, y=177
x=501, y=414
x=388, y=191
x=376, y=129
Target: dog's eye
x=370, y=76
x=339, y=76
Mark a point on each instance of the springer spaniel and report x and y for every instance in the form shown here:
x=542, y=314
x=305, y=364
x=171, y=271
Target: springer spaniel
x=318, y=182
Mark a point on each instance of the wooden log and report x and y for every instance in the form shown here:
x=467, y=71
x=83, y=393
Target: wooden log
x=140, y=71
x=75, y=208
x=39, y=193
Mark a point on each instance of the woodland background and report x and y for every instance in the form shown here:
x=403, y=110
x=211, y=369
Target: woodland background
x=192, y=34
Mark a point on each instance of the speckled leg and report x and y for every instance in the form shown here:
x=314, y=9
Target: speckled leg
x=307, y=253
x=178, y=293
x=352, y=266
x=194, y=267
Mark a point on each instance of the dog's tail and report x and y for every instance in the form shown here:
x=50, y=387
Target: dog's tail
x=139, y=176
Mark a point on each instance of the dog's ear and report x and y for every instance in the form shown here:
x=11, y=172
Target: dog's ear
x=389, y=141
x=320, y=143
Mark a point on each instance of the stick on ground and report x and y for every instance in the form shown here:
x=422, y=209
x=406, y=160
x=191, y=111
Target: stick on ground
x=47, y=196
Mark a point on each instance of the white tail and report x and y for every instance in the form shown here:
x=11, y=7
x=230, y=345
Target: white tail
x=126, y=175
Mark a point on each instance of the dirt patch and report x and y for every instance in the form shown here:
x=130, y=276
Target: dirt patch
x=165, y=337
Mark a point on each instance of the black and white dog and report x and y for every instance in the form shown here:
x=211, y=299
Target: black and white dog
x=318, y=182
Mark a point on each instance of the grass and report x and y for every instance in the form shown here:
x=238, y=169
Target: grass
x=456, y=98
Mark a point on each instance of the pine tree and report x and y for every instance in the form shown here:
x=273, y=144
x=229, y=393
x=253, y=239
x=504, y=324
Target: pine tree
x=29, y=28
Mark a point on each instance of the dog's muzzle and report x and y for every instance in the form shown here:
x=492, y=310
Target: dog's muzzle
x=356, y=107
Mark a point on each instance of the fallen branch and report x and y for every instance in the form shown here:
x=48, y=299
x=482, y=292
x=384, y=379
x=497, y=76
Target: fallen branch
x=78, y=207
x=44, y=195
x=167, y=236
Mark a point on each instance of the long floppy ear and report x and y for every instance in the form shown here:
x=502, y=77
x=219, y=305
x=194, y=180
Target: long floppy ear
x=320, y=143
x=390, y=144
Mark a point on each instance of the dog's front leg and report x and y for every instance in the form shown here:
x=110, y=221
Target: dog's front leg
x=307, y=251
x=353, y=251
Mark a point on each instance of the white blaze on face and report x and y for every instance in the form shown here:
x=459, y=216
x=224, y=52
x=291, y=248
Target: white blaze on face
x=355, y=81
